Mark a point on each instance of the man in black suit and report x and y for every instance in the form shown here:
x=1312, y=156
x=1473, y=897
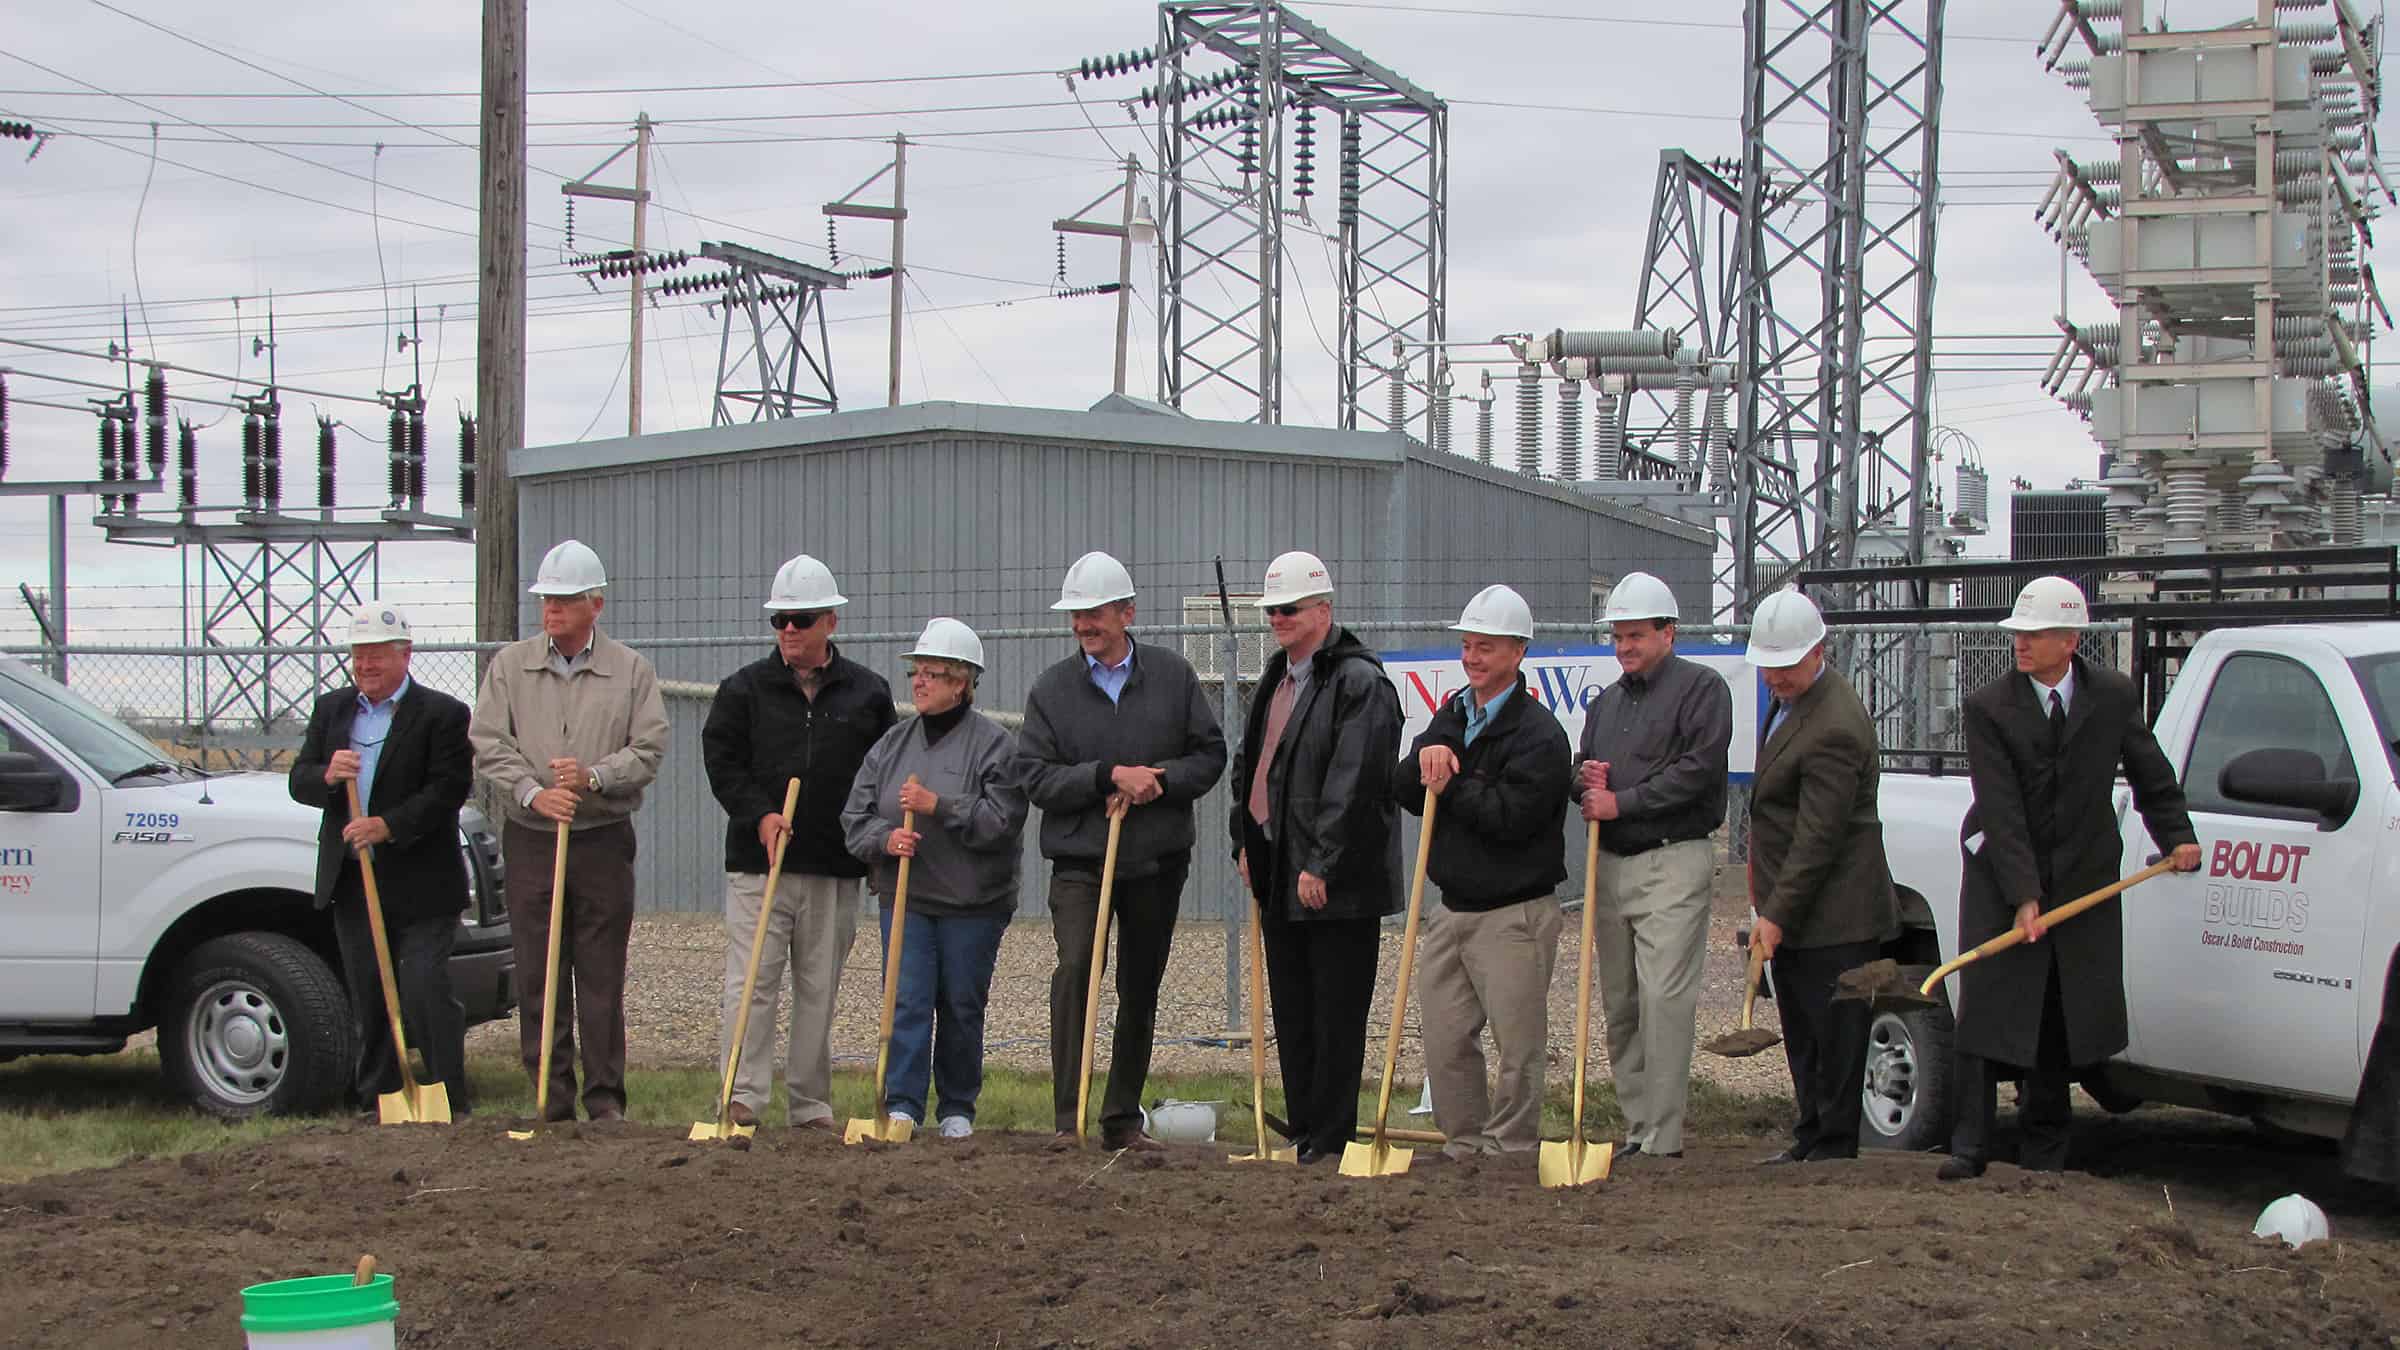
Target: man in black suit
x=2044, y=746
x=406, y=748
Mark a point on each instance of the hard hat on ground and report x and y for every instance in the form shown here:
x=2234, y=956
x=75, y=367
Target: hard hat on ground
x=948, y=640
x=1641, y=596
x=2295, y=1219
x=375, y=622
x=1497, y=611
x=804, y=583
x=2048, y=602
x=1784, y=629
x=1293, y=577
x=1095, y=579
x=569, y=569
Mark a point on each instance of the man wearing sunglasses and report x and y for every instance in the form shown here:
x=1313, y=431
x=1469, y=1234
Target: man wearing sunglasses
x=1317, y=838
x=802, y=711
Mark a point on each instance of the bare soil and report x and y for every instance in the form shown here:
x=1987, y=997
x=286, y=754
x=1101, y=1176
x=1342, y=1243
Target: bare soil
x=627, y=1235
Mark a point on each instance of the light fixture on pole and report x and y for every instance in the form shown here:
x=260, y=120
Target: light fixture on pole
x=1137, y=226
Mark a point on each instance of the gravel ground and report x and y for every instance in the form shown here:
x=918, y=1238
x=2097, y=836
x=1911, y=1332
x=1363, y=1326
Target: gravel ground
x=676, y=980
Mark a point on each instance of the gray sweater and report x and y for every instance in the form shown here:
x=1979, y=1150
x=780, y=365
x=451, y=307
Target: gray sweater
x=1074, y=737
x=967, y=861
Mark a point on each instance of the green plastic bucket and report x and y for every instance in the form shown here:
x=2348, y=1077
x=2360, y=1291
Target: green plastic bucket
x=321, y=1312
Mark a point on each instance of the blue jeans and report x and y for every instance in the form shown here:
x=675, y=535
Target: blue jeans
x=945, y=979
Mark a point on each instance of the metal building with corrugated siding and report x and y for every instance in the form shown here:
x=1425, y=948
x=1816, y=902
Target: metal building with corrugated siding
x=974, y=512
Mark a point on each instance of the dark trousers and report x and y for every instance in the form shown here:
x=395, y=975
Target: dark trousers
x=591, y=958
x=1143, y=909
x=1321, y=982
x=431, y=1016
x=2043, y=1109
x=1825, y=1041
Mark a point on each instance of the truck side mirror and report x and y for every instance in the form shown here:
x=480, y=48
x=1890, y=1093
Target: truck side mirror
x=2294, y=779
x=27, y=784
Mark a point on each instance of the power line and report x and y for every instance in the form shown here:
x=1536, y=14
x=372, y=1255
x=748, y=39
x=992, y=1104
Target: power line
x=595, y=92
x=1595, y=18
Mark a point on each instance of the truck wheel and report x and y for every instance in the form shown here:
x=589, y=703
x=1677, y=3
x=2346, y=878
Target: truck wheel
x=1906, y=1099
x=254, y=1024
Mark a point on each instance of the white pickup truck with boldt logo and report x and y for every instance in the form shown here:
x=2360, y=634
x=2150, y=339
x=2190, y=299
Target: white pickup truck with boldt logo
x=2253, y=985
x=138, y=893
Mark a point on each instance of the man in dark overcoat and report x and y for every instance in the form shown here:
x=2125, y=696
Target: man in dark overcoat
x=2044, y=747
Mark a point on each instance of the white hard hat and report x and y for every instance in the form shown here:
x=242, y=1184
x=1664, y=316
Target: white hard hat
x=2295, y=1218
x=948, y=640
x=1293, y=577
x=375, y=622
x=2048, y=602
x=569, y=569
x=804, y=583
x=1094, y=579
x=1784, y=629
x=1641, y=596
x=1496, y=611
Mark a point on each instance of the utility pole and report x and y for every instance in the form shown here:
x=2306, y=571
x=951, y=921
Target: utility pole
x=641, y=213
x=1133, y=226
x=897, y=213
x=500, y=318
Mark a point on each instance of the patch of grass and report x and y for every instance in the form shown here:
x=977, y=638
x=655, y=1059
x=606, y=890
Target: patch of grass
x=63, y=1114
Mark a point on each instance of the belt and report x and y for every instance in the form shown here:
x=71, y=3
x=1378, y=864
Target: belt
x=1640, y=849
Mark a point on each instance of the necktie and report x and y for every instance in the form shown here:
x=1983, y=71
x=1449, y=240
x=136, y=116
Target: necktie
x=1279, y=713
x=1477, y=715
x=2058, y=723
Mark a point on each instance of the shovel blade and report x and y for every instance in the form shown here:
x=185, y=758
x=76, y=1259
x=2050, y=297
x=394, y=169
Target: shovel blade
x=708, y=1131
x=1572, y=1162
x=1281, y=1155
x=886, y=1131
x=429, y=1106
x=1374, y=1160
x=520, y=1135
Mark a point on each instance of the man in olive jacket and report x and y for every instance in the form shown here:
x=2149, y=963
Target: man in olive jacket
x=2044, y=746
x=1317, y=839
x=1818, y=877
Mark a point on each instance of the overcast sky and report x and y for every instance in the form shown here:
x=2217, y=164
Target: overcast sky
x=1548, y=210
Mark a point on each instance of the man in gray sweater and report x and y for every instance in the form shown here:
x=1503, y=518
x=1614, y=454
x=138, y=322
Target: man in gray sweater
x=1115, y=720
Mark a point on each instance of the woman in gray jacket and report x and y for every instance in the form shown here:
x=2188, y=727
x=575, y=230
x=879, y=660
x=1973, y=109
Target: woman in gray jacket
x=962, y=888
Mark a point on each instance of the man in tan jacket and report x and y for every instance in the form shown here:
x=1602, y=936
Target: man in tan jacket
x=569, y=728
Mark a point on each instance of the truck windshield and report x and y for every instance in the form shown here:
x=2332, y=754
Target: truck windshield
x=112, y=749
x=2379, y=676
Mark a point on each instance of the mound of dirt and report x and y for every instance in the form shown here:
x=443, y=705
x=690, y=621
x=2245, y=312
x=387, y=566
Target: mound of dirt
x=631, y=1236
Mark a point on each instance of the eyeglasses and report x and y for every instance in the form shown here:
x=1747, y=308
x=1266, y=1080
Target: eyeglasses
x=803, y=621
x=1286, y=611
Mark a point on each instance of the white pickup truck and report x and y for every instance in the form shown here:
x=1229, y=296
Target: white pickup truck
x=2253, y=985
x=137, y=893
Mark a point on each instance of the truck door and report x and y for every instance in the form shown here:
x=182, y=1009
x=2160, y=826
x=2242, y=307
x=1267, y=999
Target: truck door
x=49, y=894
x=2236, y=972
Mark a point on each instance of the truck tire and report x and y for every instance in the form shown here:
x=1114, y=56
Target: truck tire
x=257, y=1024
x=1906, y=1098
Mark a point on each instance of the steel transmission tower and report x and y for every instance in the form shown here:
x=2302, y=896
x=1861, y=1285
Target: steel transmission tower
x=1247, y=94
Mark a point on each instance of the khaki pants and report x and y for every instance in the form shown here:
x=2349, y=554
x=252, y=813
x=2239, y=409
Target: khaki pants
x=1490, y=969
x=810, y=930
x=1650, y=940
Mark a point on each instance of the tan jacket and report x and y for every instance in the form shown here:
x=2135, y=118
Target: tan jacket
x=609, y=718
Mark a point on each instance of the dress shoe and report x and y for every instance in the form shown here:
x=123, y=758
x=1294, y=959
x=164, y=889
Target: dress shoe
x=1310, y=1155
x=821, y=1124
x=1135, y=1141
x=738, y=1114
x=1959, y=1169
x=1778, y=1160
x=606, y=1114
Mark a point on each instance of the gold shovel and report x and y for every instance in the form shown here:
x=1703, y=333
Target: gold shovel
x=415, y=1103
x=880, y=1126
x=1572, y=1161
x=1258, y=1051
x=558, y=919
x=1377, y=1157
x=721, y=1127
x=1091, y=989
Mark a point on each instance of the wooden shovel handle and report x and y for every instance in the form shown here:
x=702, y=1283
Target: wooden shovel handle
x=2056, y=916
x=1091, y=988
x=1583, y=972
x=891, y=965
x=1408, y=958
x=1758, y=967
x=383, y=954
x=758, y=943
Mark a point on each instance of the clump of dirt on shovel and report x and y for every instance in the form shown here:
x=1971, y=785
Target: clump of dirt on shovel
x=1872, y=980
x=1743, y=1043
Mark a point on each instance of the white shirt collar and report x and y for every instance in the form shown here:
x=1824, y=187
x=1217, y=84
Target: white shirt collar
x=2065, y=689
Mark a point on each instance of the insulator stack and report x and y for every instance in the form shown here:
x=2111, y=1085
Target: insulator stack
x=187, y=465
x=416, y=459
x=833, y=245
x=1398, y=389
x=1529, y=421
x=1483, y=421
x=108, y=459
x=324, y=463
x=1304, y=154
x=1249, y=155
x=154, y=426
x=1123, y=63
x=1714, y=442
x=3, y=426
x=466, y=465
x=1608, y=440
x=271, y=460
x=1349, y=179
x=1656, y=343
x=2349, y=515
x=2233, y=510
x=396, y=458
x=252, y=475
x=1687, y=382
x=2185, y=493
x=1570, y=431
x=1437, y=413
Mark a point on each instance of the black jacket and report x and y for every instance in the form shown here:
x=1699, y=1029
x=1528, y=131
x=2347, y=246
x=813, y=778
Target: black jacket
x=762, y=732
x=1328, y=786
x=422, y=777
x=1074, y=738
x=1667, y=740
x=1499, y=836
x=2048, y=831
